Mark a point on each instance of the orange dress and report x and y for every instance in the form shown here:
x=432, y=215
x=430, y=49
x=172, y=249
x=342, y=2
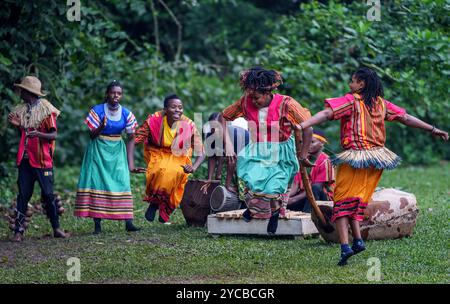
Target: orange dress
x=166, y=150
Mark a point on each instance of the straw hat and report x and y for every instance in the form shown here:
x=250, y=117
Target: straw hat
x=31, y=84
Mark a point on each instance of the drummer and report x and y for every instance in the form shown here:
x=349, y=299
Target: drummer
x=321, y=176
x=214, y=145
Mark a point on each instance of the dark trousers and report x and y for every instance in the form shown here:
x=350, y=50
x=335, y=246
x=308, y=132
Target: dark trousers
x=304, y=205
x=27, y=177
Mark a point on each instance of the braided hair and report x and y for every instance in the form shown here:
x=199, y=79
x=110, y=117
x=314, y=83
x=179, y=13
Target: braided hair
x=260, y=80
x=373, y=88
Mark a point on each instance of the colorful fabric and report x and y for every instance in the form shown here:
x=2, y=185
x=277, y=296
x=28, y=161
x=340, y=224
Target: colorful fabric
x=320, y=137
x=363, y=132
x=354, y=188
x=362, y=128
x=169, y=133
x=104, y=185
x=165, y=153
x=322, y=172
x=151, y=132
x=267, y=168
x=283, y=112
x=38, y=150
x=122, y=119
x=165, y=179
x=379, y=158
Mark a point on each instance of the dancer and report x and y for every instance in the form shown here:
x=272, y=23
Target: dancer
x=269, y=163
x=362, y=114
x=169, y=140
x=104, y=190
x=36, y=120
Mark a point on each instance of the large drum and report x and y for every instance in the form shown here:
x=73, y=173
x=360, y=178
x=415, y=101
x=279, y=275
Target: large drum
x=223, y=200
x=195, y=203
x=391, y=214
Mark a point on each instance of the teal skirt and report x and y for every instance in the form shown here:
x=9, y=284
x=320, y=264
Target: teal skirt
x=104, y=185
x=267, y=169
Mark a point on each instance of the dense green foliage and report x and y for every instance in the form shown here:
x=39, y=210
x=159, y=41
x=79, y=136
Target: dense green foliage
x=198, y=48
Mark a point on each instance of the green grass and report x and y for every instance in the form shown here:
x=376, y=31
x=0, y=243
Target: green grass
x=181, y=254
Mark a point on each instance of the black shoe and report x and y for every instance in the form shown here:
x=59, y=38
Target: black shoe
x=273, y=223
x=151, y=212
x=358, y=246
x=247, y=215
x=345, y=255
x=130, y=227
x=98, y=226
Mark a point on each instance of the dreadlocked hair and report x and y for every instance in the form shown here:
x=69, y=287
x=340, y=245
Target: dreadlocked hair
x=260, y=79
x=373, y=88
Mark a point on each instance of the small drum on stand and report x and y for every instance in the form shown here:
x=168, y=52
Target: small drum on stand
x=223, y=200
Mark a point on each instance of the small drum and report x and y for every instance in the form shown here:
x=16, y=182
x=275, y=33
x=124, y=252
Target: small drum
x=223, y=200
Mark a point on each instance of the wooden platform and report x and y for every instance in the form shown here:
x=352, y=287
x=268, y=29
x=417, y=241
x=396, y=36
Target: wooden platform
x=296, y=224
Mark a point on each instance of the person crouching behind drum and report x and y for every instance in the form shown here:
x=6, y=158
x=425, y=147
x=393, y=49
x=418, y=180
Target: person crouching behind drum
x=321, y=176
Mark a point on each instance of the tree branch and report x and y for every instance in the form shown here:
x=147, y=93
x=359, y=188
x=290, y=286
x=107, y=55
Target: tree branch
x=180, y=27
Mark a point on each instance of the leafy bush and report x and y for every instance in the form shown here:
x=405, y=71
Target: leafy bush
x=318, y=49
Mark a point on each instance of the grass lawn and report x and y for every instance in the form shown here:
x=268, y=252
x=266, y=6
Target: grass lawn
x=180, y=254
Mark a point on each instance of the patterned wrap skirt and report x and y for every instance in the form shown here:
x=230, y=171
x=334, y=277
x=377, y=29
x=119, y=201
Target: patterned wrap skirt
x=104, y=185
x=267, y=169
x=358, y=174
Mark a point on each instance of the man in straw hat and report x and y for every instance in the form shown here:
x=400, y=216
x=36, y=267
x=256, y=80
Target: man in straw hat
x=321, y=176
x=36, y=120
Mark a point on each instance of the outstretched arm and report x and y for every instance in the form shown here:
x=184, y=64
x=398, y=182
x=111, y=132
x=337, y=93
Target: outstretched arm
x=414, y=122
x=317, y=119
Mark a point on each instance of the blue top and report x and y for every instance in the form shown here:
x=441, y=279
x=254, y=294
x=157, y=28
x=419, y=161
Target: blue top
x=116, y=121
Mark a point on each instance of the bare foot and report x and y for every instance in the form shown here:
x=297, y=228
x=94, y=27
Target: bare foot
x=58, y=233
x=231, y=188
x=18, y=237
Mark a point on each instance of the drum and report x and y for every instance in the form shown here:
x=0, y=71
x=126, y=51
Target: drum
x=195, y=203
x=223, y=200
x=391, y=214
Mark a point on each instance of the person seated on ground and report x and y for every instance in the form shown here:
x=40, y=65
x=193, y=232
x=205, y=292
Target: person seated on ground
x=215, y=144
x=321, y=177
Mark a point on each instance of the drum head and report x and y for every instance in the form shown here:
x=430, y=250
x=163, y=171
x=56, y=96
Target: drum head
x=217, y=198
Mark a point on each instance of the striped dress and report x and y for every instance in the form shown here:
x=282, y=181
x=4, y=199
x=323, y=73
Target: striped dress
x=364, y=158
x=104, y=185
